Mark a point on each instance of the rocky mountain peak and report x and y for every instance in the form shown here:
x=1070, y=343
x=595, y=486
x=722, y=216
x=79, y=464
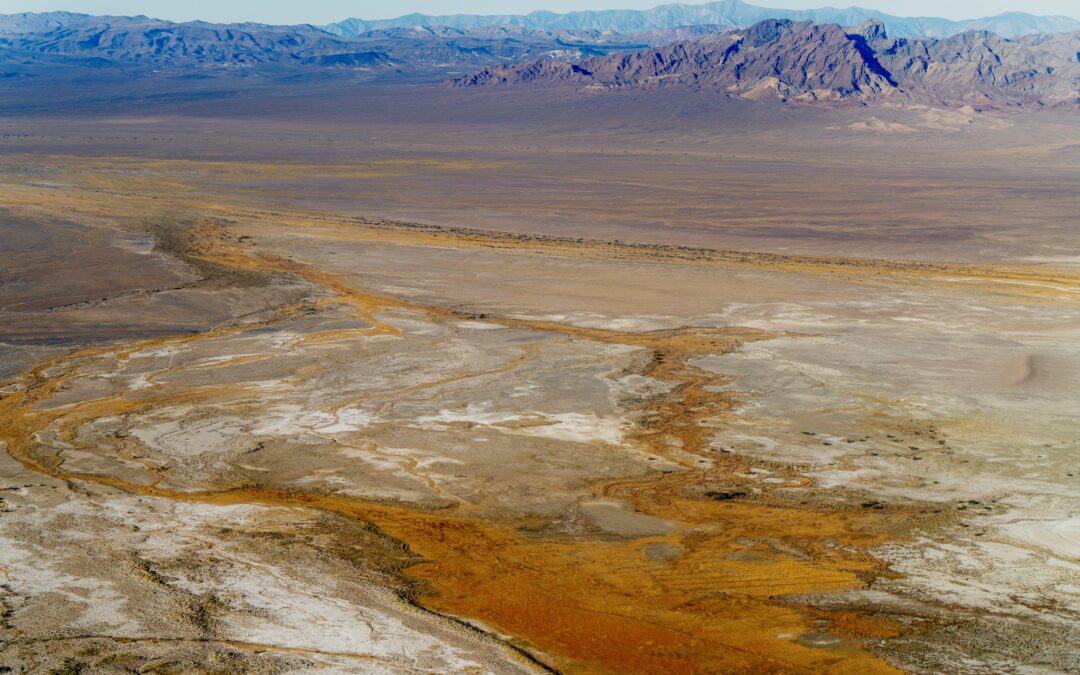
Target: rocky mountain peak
x=871, y=30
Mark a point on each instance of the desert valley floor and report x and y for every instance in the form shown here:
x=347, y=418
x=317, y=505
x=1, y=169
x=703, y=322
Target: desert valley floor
x=407, y=380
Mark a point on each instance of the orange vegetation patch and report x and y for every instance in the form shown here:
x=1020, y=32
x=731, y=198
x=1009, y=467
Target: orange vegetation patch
x=697, y=600
x=856, y=625
x=629, y=606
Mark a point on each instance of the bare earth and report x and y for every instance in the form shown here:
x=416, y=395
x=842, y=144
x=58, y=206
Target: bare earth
x=413, y=380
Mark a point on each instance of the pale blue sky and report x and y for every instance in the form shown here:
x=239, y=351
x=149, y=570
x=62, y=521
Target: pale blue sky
x=325, y=11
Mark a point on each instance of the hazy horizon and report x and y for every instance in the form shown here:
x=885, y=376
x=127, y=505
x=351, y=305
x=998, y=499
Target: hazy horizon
x=327, y=11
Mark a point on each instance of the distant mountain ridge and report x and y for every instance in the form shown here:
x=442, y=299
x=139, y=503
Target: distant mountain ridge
x=809, y=62
x=139, y=41
x=725, y=12
x=144, y=42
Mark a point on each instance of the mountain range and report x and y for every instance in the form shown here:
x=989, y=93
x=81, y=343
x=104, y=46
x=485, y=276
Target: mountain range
x=805, y=61
x=143, y=42
x=783, y=59
x=724, y=13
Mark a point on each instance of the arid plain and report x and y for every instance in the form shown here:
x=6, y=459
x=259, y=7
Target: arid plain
x=410, y=379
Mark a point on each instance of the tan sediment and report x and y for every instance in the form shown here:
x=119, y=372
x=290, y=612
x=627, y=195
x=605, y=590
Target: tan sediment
x=1033, y=283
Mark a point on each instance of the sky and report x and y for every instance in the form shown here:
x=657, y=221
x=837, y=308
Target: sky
x=326, y=11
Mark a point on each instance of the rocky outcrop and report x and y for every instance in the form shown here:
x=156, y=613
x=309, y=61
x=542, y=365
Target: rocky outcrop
x=773, y=58
x=984, y=69
x=822, y=62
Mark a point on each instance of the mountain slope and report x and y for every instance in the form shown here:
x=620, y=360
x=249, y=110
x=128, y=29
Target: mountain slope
x=724, y=12
x=984, y=69
x=814, y=62
x=774, y=58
